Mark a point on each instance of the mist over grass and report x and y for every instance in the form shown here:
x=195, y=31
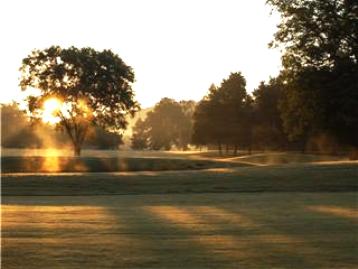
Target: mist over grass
x=58, y=160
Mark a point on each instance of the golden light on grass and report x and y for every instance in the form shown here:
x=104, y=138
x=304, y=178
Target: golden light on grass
x=336, y=210
x=71, y=218
x=51, y=161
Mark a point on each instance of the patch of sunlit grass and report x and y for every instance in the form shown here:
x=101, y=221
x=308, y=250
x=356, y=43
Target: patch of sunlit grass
x=336, y=211
x=55, y=217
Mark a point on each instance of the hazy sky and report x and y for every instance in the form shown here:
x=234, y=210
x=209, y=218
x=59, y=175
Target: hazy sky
x=177, y=48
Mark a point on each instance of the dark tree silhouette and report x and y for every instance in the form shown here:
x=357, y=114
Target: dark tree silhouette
x=320, y=68
x=268, y=129
x=237, y=114
x=317, y=33
x=209, y=127
x=224, y=116
x=94, y=86
x=202, y=135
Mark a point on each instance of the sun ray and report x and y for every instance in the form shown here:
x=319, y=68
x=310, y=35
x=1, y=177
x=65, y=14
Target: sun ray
x=51, y=108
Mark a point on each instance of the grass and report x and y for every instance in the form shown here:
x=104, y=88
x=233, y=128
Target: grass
x=55, y=164
x=230, y=230
x=54, y=161
x=274, y=158
x=284, y=178
x=293, y=215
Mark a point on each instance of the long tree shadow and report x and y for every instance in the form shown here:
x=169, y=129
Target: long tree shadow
x=233, y=238
x=320, y=241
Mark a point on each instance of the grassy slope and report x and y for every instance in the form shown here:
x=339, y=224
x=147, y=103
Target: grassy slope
x=35, y=161
x=37, y=164
x=297, y=177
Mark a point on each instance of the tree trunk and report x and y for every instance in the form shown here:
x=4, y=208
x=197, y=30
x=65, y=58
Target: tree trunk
x=303, y=147
x=353, y=155
x=220, y=150
x=77, y=150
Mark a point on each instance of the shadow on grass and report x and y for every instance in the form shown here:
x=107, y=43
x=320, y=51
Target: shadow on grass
x=178, y=231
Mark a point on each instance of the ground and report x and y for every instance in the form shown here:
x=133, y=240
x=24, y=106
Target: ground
x=295, y=215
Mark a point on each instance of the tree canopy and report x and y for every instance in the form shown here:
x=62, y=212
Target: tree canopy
x=317, y=33
x=168, y=125
x=268, y=131
x=224, y=116
x=93, y=87
x=320, y=75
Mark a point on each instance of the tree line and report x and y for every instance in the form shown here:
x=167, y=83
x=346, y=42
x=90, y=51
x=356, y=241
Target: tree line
x=227, y=119
x=314, y=99
x=313, y=102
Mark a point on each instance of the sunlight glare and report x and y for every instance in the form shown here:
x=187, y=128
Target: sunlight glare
x=50, y=108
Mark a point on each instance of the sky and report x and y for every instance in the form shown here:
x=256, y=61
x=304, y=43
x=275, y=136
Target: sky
x=177, y=48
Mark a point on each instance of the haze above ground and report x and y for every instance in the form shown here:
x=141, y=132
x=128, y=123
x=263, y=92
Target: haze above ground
x=176, y=48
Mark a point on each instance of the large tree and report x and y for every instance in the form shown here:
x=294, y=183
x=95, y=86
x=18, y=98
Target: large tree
x=224, y=116
x=236, y=107
x=203, y=117
x=93, y=87
x=317, y=33
x=320, y=40
x=268, y=129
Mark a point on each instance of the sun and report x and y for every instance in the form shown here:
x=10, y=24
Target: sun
x=50, y=108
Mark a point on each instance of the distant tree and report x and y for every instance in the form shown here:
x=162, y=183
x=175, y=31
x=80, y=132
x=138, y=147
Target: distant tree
x=16, y=129
x=139, y=139
x=186, y=129
x=94, y=87
x=26, y=134
x=166, y=126
x=101, y=139
x=320, y=68
x=188, y=107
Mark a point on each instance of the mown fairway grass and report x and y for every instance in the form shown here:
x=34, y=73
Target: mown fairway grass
x=277, y=216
